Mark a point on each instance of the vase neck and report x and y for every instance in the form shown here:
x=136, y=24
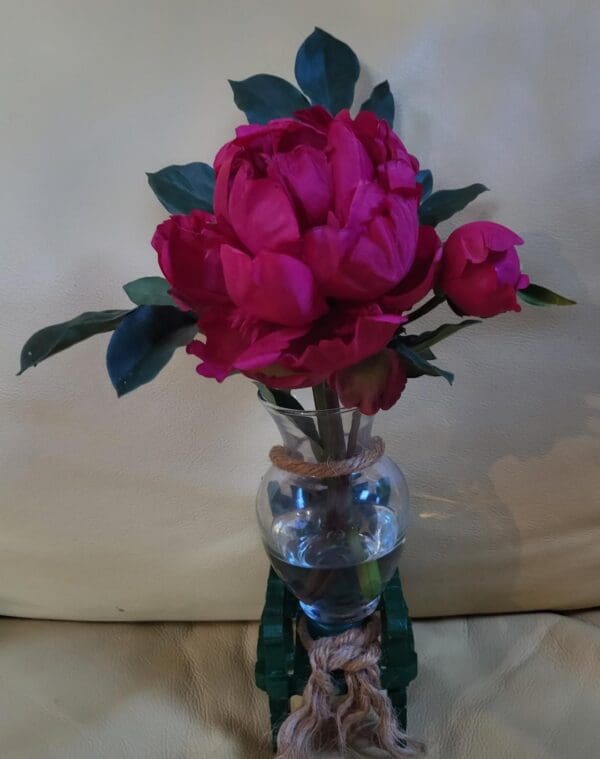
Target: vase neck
x=320, y=435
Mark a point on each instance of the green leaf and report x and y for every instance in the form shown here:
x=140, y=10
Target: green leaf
x=417, y=365
x=305, y=424
x=445, y=203
x=427, y=339
x=425, y=352
x=264, y=97
x=381, y=103
x=143, y=344
x=182, y=189
x=281, y=398
x=536, y=295
x=51, y=340
x=425, y=179
x=149, y=291
x=327, y=70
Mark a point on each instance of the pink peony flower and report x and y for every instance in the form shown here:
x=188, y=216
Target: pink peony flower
x=311, y=256
x=481, y=271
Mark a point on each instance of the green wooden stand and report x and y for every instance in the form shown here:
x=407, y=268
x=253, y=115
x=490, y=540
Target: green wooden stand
x=282, y=665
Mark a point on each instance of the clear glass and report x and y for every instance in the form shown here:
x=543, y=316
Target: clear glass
x=334, y=541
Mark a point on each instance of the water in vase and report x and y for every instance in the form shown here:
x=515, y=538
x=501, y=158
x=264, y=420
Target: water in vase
x=337, y=575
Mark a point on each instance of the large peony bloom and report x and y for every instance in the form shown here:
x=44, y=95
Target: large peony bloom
x=312, y=254
x=481, y=271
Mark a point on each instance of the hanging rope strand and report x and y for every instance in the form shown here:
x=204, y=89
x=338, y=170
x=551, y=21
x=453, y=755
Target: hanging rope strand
x=328, y=722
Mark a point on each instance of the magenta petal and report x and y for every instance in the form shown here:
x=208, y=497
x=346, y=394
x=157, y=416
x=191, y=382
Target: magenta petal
x=188, y=255
x=306, y=174
x=368, y=199
x=273, y=287
x=398, y=175
x=316, y=116
x=351, y=337
x=478, y=293
x=350, y=164
x=267, y=350
x=347, y=266
x=497, y=236
x=223, y=342
x=261, y=213
x=224, y=163
x=422, y=276
x=507, y=266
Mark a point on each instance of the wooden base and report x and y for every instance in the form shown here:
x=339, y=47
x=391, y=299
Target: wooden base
x=282, y=665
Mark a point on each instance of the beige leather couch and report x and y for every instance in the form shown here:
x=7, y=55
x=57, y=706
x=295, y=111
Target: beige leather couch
x=523, y=686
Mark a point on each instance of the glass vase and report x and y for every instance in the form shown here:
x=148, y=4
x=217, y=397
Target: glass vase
x=333, y=513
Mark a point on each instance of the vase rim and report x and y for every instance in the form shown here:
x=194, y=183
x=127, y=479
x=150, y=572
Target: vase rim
x=306, y=412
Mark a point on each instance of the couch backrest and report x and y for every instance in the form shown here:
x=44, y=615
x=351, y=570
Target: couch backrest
x=142, y=508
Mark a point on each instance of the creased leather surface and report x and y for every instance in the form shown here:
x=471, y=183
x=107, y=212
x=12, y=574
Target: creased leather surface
x=503, y=687
x=142, y=508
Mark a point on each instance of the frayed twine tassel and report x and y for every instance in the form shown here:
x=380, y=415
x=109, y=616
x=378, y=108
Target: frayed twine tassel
x=327, y=721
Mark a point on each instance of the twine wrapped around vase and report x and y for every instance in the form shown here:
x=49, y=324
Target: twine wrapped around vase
x=327, y=721
x=290, y=462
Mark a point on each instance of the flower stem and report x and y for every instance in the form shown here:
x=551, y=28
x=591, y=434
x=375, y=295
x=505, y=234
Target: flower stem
x=428, y=306
x=340, y=499
x=331, y=432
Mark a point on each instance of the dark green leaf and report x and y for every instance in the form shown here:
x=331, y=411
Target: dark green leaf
x=149, y=291
x=182, y=189
x=264, y=97
x=536, y=295
x=425, y=352
x=327, y=70
x=425, y=179
x=445, y=203
x=427, y=339
x=417, y=365
x=57, y=337
x=281, y=398
x=143, y=344
x=381, y=103
x=284, y=399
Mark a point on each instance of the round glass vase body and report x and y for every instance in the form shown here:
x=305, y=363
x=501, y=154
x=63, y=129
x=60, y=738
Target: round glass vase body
x=335, y=541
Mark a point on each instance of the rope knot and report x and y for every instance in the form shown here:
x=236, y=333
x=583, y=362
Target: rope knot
x=328, y=721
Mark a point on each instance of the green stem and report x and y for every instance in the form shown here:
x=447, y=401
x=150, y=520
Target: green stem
x=428, y=306
x=331, y=432
x=353, y=434
x=340, y=501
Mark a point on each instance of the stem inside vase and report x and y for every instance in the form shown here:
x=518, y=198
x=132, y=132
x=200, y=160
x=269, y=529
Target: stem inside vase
x=341, y=507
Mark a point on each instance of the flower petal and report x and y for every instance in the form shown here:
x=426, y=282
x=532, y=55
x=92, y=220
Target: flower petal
x=477, y=292
x=188, y=255
x=350, y=164
x=272, y=286
x=306, y=174
x=422, y=276
x=261, y=212
x=374, y=384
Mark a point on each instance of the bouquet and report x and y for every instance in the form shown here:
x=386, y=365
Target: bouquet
x=303, y=255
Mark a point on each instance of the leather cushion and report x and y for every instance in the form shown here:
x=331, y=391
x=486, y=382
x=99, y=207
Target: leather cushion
x=489, y=688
